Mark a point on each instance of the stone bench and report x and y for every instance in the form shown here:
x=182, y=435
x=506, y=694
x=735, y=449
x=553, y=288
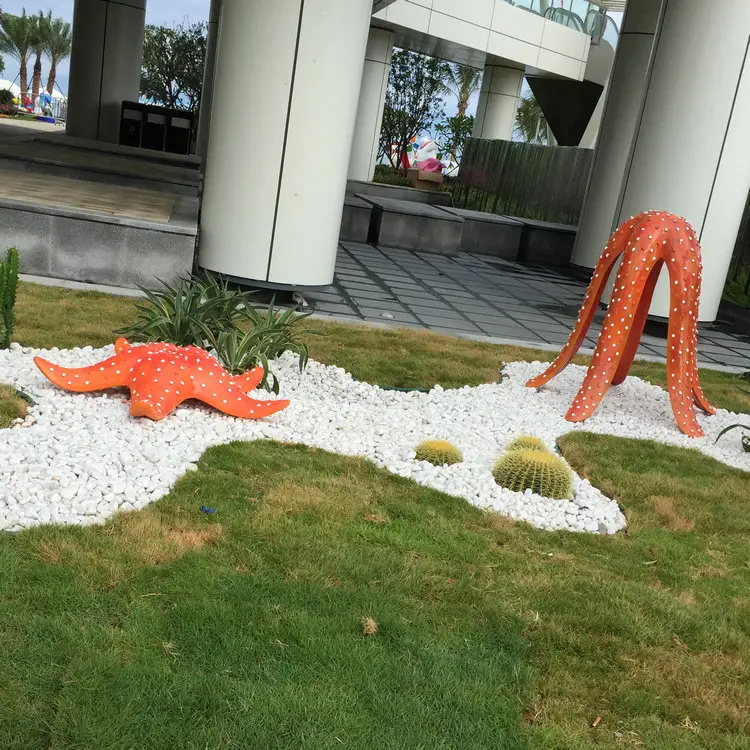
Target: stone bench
x=355, y=221
x=546, y=243
x=407, y=225
x=489, y=234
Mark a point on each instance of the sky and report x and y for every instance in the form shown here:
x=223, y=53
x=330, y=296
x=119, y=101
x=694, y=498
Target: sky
x=159, y=12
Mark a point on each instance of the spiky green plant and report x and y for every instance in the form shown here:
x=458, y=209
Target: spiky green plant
x=181, y=313
x=438, y=452
x=268, y=336
x=527, y=442
x=541, y=472
x=8, y=288
x=206, y=312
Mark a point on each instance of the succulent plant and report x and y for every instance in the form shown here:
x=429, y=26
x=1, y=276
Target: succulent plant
x=527, y=442
x=541, y=472
x=438, y=452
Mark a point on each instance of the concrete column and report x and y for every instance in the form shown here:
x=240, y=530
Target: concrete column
x=105, y=65
x=691, y=153
x=366, y=142
x=498, y=102
x=626, y=89
x=286, y=89
x=207, y=92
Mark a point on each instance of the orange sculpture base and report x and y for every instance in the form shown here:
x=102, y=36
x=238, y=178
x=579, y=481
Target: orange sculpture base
x=646, y=242
x=162, y=376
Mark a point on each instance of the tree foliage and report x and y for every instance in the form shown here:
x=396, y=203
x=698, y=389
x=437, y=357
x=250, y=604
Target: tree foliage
x=15, y=32
x=412, y=103
x=58, y=46
x=530, y=124
x=461, y=81
x=38, y=35
x=452, y=133
x=173, y=62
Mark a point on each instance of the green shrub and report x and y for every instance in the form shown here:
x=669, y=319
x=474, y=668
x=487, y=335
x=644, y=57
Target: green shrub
x=539, y=471
x=438, y=452
x=527, y=442
x=205, y=312
x=8, y=289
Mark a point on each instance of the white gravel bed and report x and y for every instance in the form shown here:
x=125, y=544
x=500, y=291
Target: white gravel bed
x=78, y=458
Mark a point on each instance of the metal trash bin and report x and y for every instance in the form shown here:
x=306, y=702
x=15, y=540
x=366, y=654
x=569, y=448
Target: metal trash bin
x=156, y=128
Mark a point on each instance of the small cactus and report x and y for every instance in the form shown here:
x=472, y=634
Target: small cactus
x=8, y=287
x=541, y=472
x=527, y=442
x=438, y=452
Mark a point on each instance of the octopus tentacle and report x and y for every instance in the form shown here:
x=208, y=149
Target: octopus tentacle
x=598, y=283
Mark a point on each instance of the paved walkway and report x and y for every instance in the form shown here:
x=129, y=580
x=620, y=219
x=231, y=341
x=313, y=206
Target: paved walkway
x=483, y=296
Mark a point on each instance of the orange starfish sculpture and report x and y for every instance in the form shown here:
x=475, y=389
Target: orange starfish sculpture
x=161, y=376
x=646, y=242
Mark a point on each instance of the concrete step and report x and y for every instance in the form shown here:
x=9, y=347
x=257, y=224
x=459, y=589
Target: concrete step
x=94, y=165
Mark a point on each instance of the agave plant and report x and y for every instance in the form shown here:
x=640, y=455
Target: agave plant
x=268, y=335
x=206, y=312
x=181, y=313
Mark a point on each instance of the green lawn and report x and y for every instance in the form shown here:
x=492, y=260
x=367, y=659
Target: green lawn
x=168, y=628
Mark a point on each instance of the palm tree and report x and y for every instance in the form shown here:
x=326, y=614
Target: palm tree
x=59, y=43
x=14, y=41
x=38, y=41
x=531, y=124
x=461, y=81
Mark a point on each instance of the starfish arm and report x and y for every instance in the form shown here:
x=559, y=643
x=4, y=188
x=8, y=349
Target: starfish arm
x=154, y=407
x=590, y=305
x=110, y=373
x=249, y=380
x=235, y=403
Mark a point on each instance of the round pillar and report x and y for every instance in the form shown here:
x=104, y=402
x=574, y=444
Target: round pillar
x=498, y=102
x=691, y=153
x=105, y=65
x=285, y=102
x=626, y=88
x=207, y=92
x=366, y=141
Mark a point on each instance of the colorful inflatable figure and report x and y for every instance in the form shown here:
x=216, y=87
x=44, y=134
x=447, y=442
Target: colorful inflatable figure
x=162, y=376
x=645, y=243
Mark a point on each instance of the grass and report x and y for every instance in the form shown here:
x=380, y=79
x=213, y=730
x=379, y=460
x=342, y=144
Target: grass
x=170, y=628
x=327, y=603
x=12, y=406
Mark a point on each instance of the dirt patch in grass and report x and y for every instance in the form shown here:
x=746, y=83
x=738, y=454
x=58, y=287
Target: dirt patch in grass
x=665, y=508
x=12, y=406
x=129, y=542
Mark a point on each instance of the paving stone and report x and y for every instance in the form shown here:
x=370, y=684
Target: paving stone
x=334, y=309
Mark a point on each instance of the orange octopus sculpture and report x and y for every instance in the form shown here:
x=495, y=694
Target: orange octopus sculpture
x=646, y=242
x=162, y=376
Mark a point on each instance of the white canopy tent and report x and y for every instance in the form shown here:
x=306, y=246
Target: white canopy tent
x=6, y=85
